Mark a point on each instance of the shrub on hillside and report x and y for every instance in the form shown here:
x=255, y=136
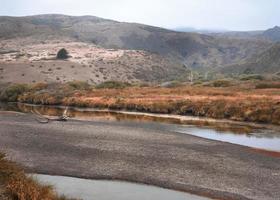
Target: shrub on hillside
x=198, y=82
x=79, y=85
x=113, y=85
x=267, y=85
x=12, y=92
x=62, y=54
x=251, y=77
x=221, y=83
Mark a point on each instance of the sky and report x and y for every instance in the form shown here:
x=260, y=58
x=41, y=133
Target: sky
x=237, y=15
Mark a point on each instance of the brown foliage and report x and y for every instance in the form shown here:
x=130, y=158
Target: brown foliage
x=20, y=187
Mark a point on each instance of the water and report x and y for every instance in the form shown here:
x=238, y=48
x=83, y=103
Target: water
x=241, y=134
x=261, y=140
x=108, y=190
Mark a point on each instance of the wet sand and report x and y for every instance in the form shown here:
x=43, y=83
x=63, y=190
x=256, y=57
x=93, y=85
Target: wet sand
x=143, y=152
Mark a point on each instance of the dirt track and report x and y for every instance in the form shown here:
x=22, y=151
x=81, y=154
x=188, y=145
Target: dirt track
x=147, y=153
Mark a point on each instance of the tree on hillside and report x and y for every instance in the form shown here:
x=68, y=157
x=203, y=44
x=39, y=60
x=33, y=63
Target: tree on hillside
x=62, y=54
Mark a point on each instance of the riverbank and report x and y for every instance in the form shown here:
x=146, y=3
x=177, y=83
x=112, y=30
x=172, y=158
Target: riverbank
x=16, y=185
x=145, y=153
x=261, y=136
x=238, y=102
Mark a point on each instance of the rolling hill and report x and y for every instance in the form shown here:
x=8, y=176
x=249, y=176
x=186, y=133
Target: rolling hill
x=192, y=49
x=104, y=49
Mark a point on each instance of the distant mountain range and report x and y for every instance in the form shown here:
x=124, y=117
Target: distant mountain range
x=272, y=34
x=196, y=30
x=194, y=50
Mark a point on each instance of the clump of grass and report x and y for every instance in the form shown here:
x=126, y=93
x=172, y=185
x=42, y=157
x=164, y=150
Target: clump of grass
x=18, y=186
x=251, y=77
x=198, y=82
x=221, y=83
x=113, y=85
x=53, y=94
x=38, y=86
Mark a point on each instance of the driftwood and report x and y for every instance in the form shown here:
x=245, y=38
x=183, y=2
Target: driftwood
x=44, y=120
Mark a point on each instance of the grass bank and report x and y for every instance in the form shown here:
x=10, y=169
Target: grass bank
x=243, y=101
x=15, y=185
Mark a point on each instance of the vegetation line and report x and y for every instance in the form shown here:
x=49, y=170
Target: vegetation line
x=236, y=102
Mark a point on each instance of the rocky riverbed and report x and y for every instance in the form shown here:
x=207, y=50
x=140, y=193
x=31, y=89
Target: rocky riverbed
x=143, y=152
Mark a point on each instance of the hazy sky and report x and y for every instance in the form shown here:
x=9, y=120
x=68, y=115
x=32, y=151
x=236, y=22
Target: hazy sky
x=205, y=14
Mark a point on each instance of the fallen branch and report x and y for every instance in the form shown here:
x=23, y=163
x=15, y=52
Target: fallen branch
x=44, y=120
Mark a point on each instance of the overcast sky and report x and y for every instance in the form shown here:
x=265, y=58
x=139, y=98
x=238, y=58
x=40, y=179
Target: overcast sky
x=201, y=14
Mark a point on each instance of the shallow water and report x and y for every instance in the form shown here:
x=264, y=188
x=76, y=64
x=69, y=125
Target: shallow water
x=108, y=190
x=260, y=140
x=241, y=134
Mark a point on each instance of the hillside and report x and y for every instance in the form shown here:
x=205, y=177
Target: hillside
x=192, y=49
x=33, y=63
x=264, y=63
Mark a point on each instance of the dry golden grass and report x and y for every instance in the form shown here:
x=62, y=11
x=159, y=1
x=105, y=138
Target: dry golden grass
x=17, y=186
x=242, y=102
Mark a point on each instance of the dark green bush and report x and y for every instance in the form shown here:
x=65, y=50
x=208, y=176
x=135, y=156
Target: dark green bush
x=62, y=54
x=267, y=85
x=113, y=85
x=12, y=92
